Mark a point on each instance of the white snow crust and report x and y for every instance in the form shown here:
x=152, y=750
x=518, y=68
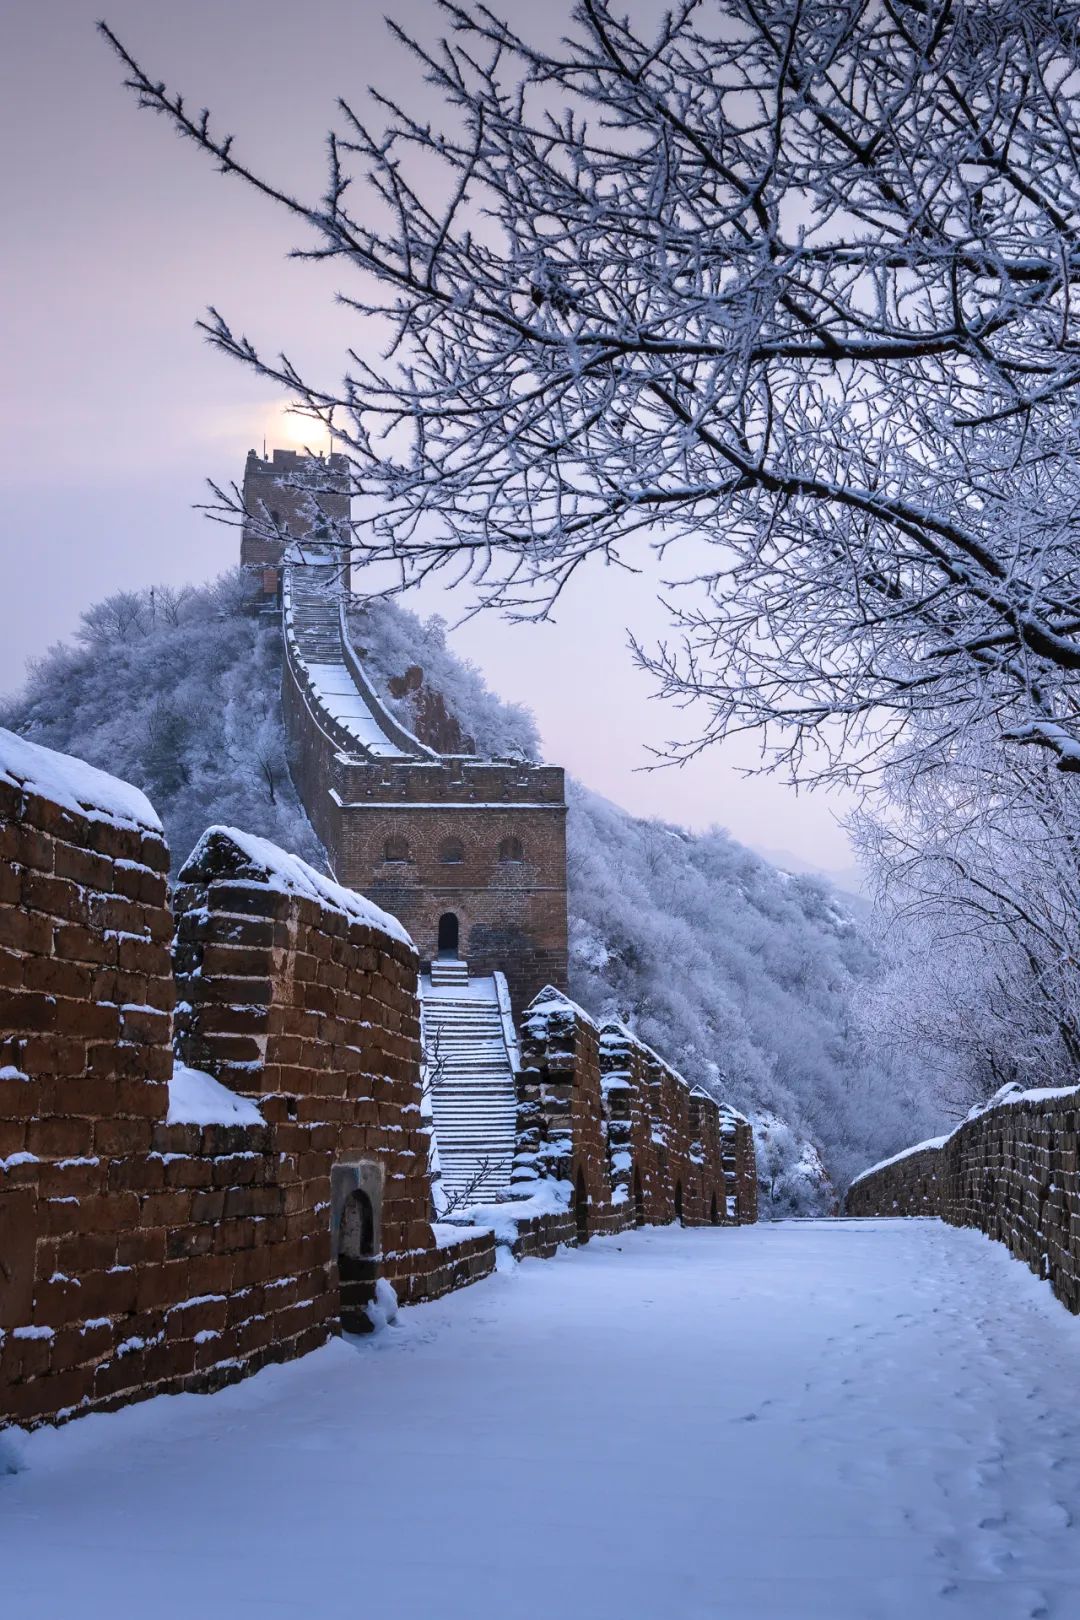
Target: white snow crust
x=290, y=875
x=343, y=701
x=73, y=784
x=843, y=1420
x=196, y=1098
x=905, y=1153
x=1009, y=1096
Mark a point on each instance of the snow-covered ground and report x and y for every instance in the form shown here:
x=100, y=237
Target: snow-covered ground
x=850, y=1420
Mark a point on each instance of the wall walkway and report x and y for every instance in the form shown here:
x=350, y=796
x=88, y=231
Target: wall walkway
x=1010, y=1171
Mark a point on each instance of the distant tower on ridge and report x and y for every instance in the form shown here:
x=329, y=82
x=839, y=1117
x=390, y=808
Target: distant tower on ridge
x=292, y=497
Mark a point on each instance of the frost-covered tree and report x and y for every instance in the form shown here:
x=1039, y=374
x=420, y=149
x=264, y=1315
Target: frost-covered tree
x=978, y=875
x=178, y=693
x=795, y=282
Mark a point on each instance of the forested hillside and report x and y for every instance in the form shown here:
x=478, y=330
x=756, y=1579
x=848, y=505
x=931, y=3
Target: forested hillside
x=747, y=979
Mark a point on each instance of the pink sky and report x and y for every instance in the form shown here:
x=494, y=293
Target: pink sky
x=114, y=414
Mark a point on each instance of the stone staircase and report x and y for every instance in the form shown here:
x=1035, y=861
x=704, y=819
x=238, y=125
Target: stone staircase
x=315, y=595
x=474, y=1091
x=449, y=971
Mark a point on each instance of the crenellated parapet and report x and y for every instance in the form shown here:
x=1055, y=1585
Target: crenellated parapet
x=664, y=1139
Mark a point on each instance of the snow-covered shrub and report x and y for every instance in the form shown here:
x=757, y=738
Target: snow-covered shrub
x=791, y=1176
x=390, y=639
x=178, y=692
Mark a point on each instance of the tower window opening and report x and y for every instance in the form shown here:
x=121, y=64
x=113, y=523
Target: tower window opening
x=451, y=852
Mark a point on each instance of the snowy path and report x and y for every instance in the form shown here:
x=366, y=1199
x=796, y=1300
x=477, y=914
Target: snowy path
x=851, y=1420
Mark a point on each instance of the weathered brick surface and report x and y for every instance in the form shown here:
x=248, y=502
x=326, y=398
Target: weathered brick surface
x=1011, y=1172
x=740, y=1166
x=911, y=1186
x=665, y=1145
x=315, y=1015
x=561, y=1132
x=598, y=1105
x=136, y=1255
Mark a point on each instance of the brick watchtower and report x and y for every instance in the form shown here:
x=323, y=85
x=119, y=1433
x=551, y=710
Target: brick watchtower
x=290, y=497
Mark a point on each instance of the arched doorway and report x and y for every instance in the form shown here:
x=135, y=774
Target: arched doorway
x=356, y=1238
x=581, y=1208
x=714, y=1214
x=356, y=1261
x=639, y=1199
x=678, y=1203
x=449, y=933
x=356, y=1189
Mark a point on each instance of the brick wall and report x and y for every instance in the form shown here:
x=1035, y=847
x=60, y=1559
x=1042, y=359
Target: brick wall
x=909, y=1186
x=740, y=1165
x=664, y=1140
x=307, y=1002
x=1010, y=1172
x=149, y=1243
x=141, y=1249
x=598, y=1102
x=561, y=1126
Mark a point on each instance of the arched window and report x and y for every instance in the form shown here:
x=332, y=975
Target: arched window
x=510, y=850
x=451, y=852
x=396, y=849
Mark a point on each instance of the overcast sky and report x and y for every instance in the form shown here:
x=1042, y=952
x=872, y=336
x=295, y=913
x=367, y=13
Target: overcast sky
x=117, y=235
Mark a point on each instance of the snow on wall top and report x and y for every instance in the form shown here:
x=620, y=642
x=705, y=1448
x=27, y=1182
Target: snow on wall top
x=1012, y=1095
x=196, y=1098
x=905, y=1153
x=290, y=875
x=616, y=1027
x=73, y=784
x=550, y=1003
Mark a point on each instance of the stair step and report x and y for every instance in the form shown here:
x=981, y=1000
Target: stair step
x=474, y=1089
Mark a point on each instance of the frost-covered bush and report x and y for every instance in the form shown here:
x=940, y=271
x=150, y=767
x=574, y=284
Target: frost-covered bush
x=391, y=640
x=742, y=977
x=792, y=1178
x=178, y=692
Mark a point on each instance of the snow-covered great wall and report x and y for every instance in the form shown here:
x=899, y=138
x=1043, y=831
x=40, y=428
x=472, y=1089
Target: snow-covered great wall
x=1009, y=1170
x=215, y=1143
